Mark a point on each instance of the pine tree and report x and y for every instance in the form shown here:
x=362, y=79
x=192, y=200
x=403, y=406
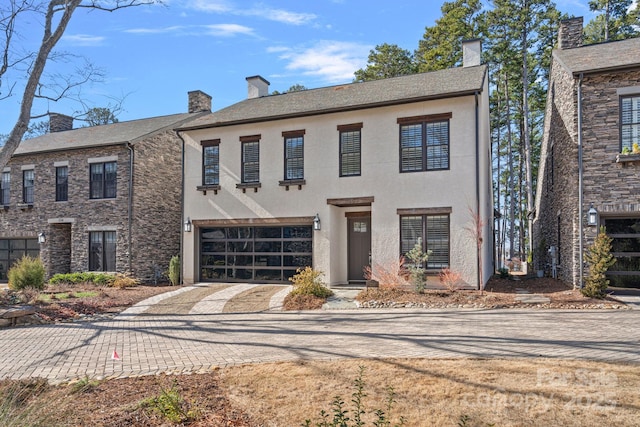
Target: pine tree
x=599, y=258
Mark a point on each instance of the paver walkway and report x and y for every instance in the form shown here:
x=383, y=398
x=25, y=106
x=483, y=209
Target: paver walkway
x=152, y=344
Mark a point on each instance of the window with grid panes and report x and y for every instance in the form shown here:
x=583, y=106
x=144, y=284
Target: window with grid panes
x=102, y=251
x=293, y=155
x=629, y=121
x=62, y=187
x=5, y=188
x=424, y=143
x=28, y=181
x=433, y=231
x=350, y=145
x=103, y=180
x=211, y=162
x=250, y=162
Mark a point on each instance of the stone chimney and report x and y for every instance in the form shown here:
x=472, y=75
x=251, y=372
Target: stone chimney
x=257, y=87
x=570, y=33
x=199, y=101
x=60, y=122
x=471, y=52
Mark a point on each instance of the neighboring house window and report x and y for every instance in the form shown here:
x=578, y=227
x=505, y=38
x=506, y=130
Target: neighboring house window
x=432, y=231
x=250, y=161
x=102, y=251
x=5, y=189
x=103, y=180
x=211, y=162
x=630, y=121
x=293, y=155
x=62, y=186
x=27, y=186
x=424, y=143
x=350, y=137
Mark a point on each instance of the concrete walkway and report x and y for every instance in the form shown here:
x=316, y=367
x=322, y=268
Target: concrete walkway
x=152, y=344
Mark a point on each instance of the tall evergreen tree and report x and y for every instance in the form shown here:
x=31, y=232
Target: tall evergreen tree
x=441, y=45
x=616, y=20
x=386, y=60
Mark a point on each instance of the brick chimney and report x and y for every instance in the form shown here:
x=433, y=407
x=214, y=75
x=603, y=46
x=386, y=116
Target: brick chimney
x=570, y=33
x=471, y=52
x=257, y=87
x=60, y=122
x=199, y=101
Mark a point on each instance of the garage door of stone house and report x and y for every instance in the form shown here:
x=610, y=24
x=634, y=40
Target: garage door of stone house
x=254, y=254
x=359, y=242
x=625, y=233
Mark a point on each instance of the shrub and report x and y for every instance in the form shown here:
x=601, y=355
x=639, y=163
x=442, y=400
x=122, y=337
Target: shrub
x=174, y=270
x=452, y=280
x=418, y=258
x=388, y=275
x=599, y=258
x=101, y=279
x=28, y=272
x=504, y=273
x=171, y=406
x=124, y=281
x=308, y=281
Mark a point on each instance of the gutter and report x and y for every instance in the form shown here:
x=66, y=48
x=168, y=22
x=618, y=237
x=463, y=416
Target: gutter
x=479, y=247
x=181, y=255
x=580, y=186
x=130, y=205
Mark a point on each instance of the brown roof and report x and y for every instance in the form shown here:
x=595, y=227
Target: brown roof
x=354, y=96
x=600, y=57
x=104, y=135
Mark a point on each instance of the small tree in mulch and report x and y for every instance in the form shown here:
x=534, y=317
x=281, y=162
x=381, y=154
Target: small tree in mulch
x=600, y=259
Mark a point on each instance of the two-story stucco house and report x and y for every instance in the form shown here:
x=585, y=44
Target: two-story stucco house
x=102, y=198
x=339, y=178
x=592, y=116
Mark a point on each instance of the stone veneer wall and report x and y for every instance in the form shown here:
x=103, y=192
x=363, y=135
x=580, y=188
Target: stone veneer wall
x=558, y=177
x=157, y=204
x=611, y=187
x=81, y=213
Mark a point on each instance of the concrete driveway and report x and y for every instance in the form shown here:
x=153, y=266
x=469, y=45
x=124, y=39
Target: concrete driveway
x=155, y=343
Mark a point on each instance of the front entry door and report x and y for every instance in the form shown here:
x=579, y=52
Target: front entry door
x=359, y=246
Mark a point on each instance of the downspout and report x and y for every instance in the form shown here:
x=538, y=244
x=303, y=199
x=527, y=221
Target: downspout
x=478, y=246
x=181, y=255
x=580, y=196
x=130, y=205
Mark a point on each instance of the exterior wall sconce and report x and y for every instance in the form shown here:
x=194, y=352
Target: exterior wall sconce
x=316, y=222
x=187, y=225
x=592, y=216
x=42, y=238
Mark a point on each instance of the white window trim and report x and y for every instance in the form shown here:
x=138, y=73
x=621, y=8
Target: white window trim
x=102, y=159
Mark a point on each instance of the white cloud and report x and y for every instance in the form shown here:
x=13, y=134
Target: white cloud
x=261, y=11
x=83, y=39
x=332, y=61
x=228, y=30
x=172, y=29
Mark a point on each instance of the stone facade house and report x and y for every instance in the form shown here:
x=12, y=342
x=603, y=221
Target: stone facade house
x=585, y=181
x=341, y=177
x=101, y=198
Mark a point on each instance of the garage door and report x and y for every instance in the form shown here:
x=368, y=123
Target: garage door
x=626, y=248
x=254, y=254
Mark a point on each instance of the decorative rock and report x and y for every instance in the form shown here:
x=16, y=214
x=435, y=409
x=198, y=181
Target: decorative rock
x=13, y=312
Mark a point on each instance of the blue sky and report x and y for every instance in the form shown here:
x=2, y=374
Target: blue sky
x=152, y=56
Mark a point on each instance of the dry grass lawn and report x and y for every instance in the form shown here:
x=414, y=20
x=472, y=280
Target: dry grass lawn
x=439, y=392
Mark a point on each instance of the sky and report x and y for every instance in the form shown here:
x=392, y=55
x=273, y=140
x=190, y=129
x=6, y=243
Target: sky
x=151, y=56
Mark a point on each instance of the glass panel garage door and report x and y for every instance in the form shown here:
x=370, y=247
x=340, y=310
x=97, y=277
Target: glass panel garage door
x=254, y=254
x=626, y=248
